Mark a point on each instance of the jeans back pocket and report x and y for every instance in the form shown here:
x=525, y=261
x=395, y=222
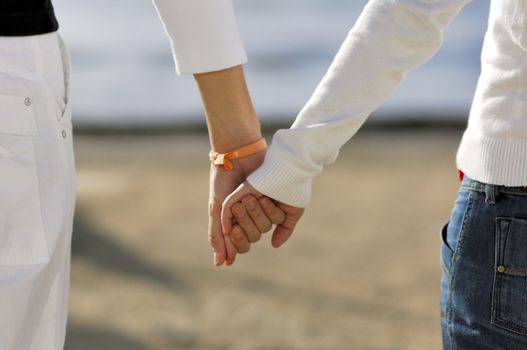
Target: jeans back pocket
x=509, y=301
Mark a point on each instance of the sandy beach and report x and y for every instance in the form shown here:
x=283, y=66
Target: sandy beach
x=361, y=272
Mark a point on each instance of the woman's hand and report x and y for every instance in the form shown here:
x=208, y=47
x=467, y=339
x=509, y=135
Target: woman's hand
x=232, y=123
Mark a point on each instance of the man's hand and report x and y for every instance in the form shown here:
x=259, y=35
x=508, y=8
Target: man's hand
x=253, y=217
x=222, y=183
x=242, y=204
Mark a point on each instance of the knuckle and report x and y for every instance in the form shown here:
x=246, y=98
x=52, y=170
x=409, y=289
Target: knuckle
x=238, y=209
x=237, y=234
x=238, y=214
x=241, y=222
x=251, y=204
x=255, y=212
x=270, y=209
x=239, y=239
x=242, y=219
x=276, y=218
x=245, y=223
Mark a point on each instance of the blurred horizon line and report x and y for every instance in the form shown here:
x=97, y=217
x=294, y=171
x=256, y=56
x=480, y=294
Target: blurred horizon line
x=444, y=122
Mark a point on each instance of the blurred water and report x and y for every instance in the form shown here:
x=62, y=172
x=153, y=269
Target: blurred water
x=124, y=74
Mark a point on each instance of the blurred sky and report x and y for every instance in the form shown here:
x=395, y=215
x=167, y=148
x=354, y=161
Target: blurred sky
x=123, y=72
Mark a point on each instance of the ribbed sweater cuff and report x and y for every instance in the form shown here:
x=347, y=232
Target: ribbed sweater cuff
x=497, y=161
x=210, y=60
x=281, y=180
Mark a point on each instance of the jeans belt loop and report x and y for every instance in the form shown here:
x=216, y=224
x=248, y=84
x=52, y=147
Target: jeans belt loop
x=491, y=192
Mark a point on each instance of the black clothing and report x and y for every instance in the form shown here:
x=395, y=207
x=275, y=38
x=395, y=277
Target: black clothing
x=27, y=17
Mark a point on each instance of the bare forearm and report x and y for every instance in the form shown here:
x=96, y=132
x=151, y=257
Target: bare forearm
x=230, y=115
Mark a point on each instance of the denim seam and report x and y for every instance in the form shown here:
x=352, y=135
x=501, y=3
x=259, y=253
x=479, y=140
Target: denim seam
x=447, y=273
x=453, y=264
x=515, y=272
x=496, y=295
x=460, y=240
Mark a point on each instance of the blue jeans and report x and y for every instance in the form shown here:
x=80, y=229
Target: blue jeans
x=484, y=269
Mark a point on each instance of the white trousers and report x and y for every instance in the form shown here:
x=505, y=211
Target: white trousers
x=37, y=192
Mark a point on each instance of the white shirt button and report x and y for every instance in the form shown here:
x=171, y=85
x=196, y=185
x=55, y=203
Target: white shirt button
x=27, y=101
x=64, y=133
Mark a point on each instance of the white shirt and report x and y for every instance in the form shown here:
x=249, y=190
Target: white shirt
x=390, y=38
x=203, y=34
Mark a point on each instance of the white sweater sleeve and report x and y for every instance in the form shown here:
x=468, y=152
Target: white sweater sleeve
x=390, y=38
x=203, y=34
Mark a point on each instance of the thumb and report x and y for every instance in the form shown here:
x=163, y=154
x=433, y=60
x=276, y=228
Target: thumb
x=283, y=231
x=280, y=235
x=235, y=197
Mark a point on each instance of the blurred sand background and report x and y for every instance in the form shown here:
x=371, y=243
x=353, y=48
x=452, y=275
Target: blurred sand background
x=361, y=272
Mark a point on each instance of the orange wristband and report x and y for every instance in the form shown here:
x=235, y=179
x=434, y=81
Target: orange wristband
x=224, y=159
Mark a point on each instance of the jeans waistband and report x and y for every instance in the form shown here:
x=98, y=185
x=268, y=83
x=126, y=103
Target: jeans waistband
x=471, y=184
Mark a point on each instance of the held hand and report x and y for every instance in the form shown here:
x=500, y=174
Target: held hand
x=254, y=216
x=222, y=183
x=240, y=201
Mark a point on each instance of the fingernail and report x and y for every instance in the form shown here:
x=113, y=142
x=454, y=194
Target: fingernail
x=238, y=236
x=251, y=204
x=264, y=203
x=216, y=261
x=239, y=212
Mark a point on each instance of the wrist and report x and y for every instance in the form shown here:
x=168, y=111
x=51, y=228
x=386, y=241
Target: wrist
x=229, y=159
x=234, y=137
x=246, y=165
x=226, y=160
x=231, y=119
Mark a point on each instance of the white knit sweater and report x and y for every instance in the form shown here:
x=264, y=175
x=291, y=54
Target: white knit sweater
x=390, y=38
